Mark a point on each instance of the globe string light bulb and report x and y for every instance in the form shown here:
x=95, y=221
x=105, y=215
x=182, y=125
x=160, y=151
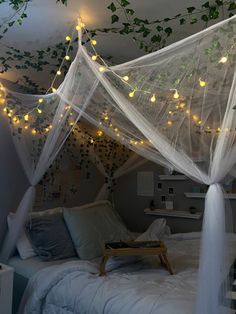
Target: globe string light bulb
x=26, y=117
x=153, y=98
x=58, y=72
x=202, y=83
x=93, y=42
x=223, y=59
x=131, y=94
x=94, y=57
x=40, y=100
x=67, y=57
x=176, y=94
x=102, y=69
x=68, y=38
x=126, y=78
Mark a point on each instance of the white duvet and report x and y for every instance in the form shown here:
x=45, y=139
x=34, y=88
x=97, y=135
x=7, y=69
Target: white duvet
x=132, y=285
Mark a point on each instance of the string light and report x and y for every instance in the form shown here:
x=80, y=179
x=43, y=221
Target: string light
x=2, y=101
x=202, y=83
x=93, y=42
x=58, y=72
x=153, y=98
x=26, y=117
x=126, y=78
x=169, y=123
x=33, y=131
x=131, y=94
x=68, y=38
x=40, y=100
x=99, y=133
x=54, y=90
x=223, y=59
x=39, y=110
x=94, y=57
x=67, y=57
x=176, y=94
x=102, y=69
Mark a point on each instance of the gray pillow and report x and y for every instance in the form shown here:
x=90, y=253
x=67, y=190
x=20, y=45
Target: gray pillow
x=92, y=225
x=50, y=238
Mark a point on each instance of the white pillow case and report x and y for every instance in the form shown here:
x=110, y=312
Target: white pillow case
x=23, y=244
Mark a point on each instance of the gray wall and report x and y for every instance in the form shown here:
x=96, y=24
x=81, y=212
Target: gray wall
x=13, y=182
x=131, y=207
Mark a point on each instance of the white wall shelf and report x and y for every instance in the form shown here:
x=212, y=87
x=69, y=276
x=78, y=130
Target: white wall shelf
x=172, y=213
x=172, y=177
x=202, y=195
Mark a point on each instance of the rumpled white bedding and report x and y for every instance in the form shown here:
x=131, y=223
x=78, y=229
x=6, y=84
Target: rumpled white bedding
x=132, y=285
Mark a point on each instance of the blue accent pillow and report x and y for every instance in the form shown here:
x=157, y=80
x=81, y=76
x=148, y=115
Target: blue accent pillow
x=92, y=225
x=50, y=237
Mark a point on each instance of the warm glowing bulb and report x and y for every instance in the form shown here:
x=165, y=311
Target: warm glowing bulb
x=106, y=118
x=170, y=112
x=2, y=101
x=34, y=131
x=200, y=122
x=195, y=118
x=67, y=57
x=94, y=57
x=99, y=133
x=125, y=78
x=187, y=111
x=141, y=142
x=46, y=129
x=93, y=42
x=153, y=98
x=131, y=94
x=58, y=72
x=182, y=105
x=5, y=109
x=102, y=69
x=169, y=123
x=68, y=38
x=9, y=114
x=78, y=27
x=26, y=127
x=202, y=83
x=54, y=90
x=40, y=110
x=176, y=94
x=26, y=117
x=223, y=59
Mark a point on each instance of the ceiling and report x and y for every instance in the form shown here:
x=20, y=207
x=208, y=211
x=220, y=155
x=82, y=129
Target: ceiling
x=48, y=23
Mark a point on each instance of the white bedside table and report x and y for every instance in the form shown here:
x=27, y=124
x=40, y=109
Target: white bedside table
x=6, y=287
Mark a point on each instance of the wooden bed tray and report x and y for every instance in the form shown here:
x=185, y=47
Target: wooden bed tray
x=135, y=248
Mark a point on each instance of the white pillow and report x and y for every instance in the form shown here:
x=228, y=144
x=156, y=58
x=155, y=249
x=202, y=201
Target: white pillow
x=23, y=244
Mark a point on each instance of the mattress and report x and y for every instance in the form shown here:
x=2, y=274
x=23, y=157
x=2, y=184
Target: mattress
x=28, y=267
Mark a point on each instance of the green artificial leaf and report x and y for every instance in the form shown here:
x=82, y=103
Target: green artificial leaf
x=124, y=3
x=191, y=9
x=206, y=5
x=219, y=2
x=159, y=28
x=129, y=11
x=182, y=21
x=204, y=18
x=194, y=20
x=168, y=31
x=156, y=38
x=213, y=13
x=112, y=7
x=11, y=23
x=232, y=6
x=114, y=18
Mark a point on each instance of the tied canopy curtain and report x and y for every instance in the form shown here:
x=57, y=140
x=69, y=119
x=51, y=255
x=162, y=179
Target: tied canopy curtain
x=174, y=107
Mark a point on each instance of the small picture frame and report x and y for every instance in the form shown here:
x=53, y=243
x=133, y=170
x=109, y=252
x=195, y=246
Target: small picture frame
x=171, y=191
x=163, y=198
x=159, y=186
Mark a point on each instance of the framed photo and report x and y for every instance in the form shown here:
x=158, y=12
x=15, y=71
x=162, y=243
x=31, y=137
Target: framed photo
x=163, y=198
x=169, y=205
x=171, y=191
x=159, y=186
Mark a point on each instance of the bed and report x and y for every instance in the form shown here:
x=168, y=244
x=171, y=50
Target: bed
x=133, y=285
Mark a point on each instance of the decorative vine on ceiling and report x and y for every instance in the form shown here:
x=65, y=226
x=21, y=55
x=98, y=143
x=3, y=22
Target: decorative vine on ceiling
x=150, y=35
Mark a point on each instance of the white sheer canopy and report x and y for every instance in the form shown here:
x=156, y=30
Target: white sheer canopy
x=174, y=107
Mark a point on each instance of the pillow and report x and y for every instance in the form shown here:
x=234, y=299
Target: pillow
x=23, y=244
x=92, y=225
x=50, y=237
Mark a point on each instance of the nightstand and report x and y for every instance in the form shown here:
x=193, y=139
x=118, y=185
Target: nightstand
x=6, y=287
